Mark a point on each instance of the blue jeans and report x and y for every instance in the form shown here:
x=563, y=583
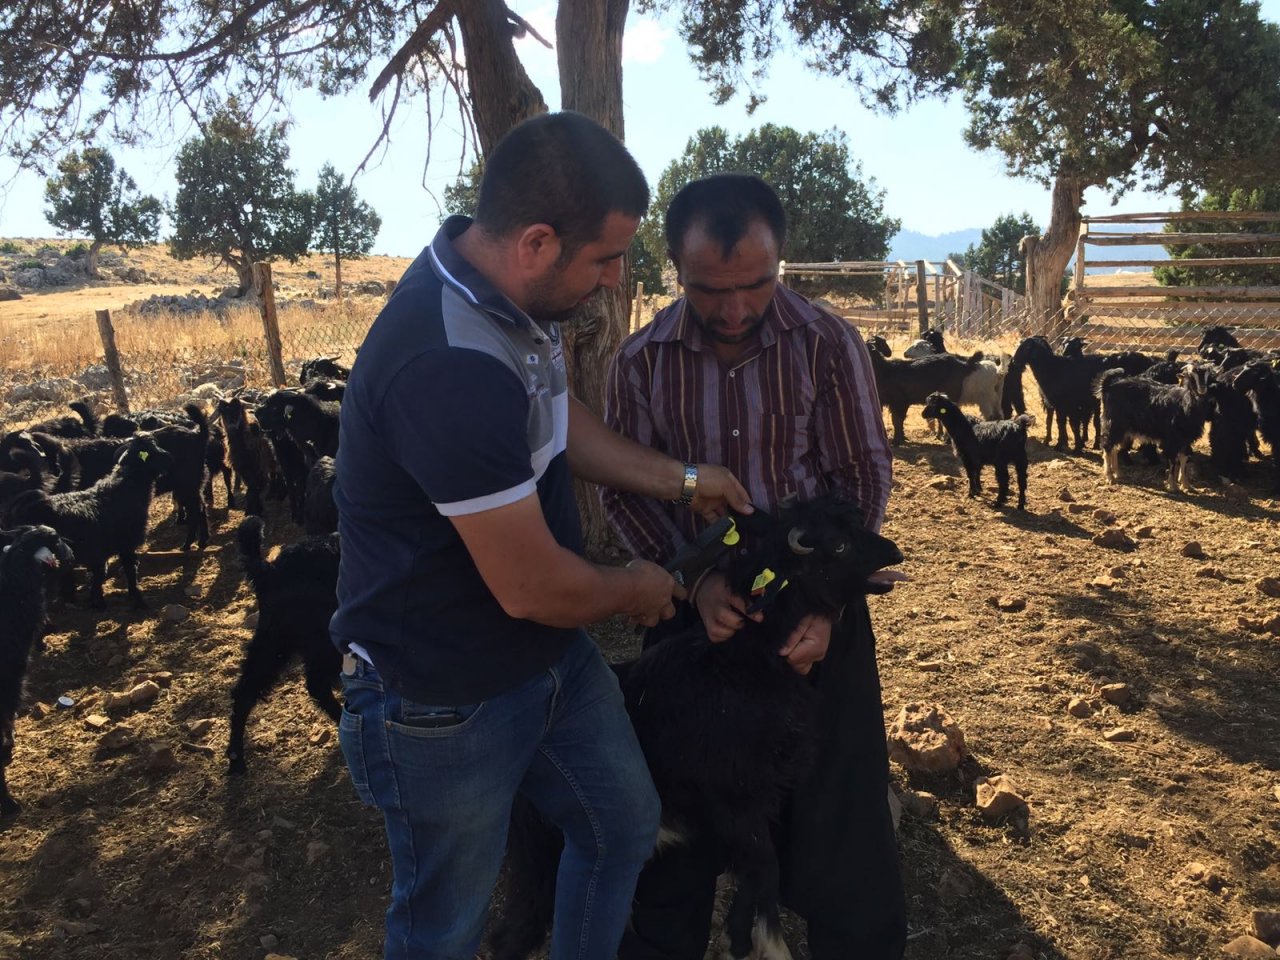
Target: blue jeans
x=445, y=778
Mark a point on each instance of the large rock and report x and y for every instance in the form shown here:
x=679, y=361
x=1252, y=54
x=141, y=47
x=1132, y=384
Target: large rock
x=997, y=797
x=1266, y=926
x=29, y=278
x=924, y=737
x=8, y=292
x=1246, y=946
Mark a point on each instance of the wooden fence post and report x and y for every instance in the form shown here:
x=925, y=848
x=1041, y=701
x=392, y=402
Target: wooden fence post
x=112, y=356
x=270, y=326
x=636, y=305
x=922, y=298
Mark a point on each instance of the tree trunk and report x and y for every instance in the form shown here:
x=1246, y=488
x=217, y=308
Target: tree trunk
x=337, y=275
x=500, y=92
x=248, y=282
x=91, y=259
x=589, y=50
x=1047, y=256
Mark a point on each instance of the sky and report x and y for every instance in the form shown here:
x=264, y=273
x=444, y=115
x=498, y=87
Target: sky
x=933, y=182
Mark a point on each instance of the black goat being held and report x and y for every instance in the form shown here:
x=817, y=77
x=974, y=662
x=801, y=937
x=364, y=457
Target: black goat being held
x=996, y=443
x=28, y=553
x=728, y=729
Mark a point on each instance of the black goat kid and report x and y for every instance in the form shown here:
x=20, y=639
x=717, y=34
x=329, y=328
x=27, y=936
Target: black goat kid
x=727, y=728
x=107, y=520
x=996, y=443
x=297, y=594
x=1135, y=408
x=29, y=553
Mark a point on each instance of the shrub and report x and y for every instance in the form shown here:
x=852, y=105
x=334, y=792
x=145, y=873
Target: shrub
x=30, y=265
x=77, y=251
x=11, y=246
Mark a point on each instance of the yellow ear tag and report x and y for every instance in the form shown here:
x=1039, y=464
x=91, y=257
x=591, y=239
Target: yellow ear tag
x=943, y=410
x=142, y=455
x=731, y=537
x=763, y=579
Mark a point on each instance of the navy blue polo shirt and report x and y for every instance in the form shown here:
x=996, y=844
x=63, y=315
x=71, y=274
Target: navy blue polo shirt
x=457, y=403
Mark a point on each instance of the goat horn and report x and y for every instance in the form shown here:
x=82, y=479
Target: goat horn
x=793, y=541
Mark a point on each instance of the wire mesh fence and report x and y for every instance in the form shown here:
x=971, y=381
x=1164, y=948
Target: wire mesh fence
x=165, y=354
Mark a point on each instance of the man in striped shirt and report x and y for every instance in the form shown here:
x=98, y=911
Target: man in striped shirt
x=742, y=371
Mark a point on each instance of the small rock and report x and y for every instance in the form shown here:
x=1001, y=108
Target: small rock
x=1247, y=946
x=1211, y=573
x=1266, y=926
x=1192, y=548
x=954, y=884
x=116, y=739
x=198, y=728
x=144, y=693
x=318, y=848
x=924, y=737
x=997, y=797
x=1118, y=572
x=74, y=928
x=1144, y=532
x=115, y=701
x=1113, y=538
x=930, y=666
x=162, y=677
x=942, y=483
x=283, y=824
x=1119, y=735
x=1065, y=495
x=1117, y=693
x=1270, y=586
x=1234, y=492
x=175, y=613
x=269, y=941
x=1197, y=872
x=1104, y=582
x=920, y=804
x=193, y=590
x=161, y=758
x=1079, y=508
x=1011, y=604
x=1104, y=517
x=96, y=721
x=38, y=710
x=320, y=736
x=1080, y=708
x=251, y=621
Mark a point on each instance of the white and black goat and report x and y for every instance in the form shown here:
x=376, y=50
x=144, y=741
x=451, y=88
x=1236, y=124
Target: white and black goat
x=297, y=594
x=1136, y=408
x=28, y=553
x=930, y=342
x=995, y=443
x=903, y=384
x=728, y=729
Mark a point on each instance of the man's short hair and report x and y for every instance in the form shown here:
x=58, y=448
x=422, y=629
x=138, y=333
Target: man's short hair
x=725, y=205
x=562, y=169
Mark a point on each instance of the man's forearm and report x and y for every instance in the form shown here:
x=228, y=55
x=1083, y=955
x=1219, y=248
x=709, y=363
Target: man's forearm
x=599, y=455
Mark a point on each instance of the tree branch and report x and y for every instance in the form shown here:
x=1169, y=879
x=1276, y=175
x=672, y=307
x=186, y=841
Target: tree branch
x=523, y=26
x=416, y=43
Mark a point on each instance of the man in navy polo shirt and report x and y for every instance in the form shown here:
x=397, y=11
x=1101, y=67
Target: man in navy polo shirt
x=463, y=592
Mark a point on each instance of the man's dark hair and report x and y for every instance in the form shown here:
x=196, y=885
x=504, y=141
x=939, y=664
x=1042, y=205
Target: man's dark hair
x=725, y=204
x=562, y=169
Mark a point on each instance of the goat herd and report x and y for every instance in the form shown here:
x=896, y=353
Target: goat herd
x=1162, y=403
x=78, y=490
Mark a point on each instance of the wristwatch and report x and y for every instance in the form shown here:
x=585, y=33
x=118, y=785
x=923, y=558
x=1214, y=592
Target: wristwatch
x=690, y=488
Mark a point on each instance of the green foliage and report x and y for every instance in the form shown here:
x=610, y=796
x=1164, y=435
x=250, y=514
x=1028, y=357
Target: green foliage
x=1264, y=198
x=236, y=198
x=9, y=246
x=463, y=196
x=345, y=225
x=90, y=196
x=29, y=265
x=996, y=255
x=77, y=251
x=832, y=214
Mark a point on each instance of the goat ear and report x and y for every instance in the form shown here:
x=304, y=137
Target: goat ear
x=288, y=411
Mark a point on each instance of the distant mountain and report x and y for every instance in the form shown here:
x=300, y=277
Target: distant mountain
x=910, y=245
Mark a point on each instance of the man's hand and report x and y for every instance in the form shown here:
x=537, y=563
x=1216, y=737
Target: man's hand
x=723, y=613
x=718, y=491
x=655, y=592
x=807, y=644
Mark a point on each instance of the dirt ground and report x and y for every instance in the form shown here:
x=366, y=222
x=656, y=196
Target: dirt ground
x=1159, y=846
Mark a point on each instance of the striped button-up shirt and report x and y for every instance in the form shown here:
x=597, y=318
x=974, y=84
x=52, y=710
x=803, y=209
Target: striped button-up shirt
x=797, y=413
